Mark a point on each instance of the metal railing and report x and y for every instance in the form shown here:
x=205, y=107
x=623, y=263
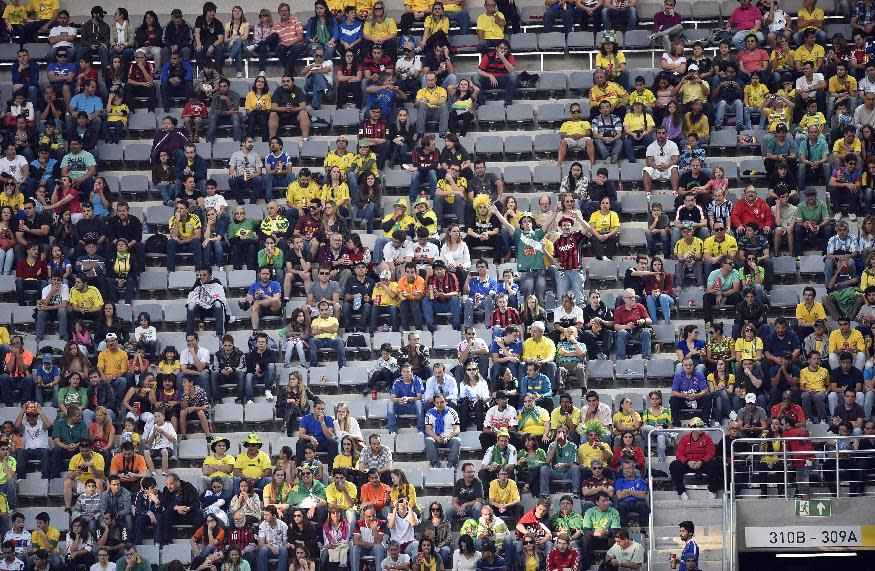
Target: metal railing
x=725, y=498
x=746, y=451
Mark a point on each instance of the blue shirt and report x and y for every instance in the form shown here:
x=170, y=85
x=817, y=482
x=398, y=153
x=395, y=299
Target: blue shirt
x=539, y=385
x=314, y=427
x=685, y=347
x=691, y=549
x=48, y=376
x=350, y=32
x=402, y=389
x=61, y=69
x=270, y=289
x=484, y=288
x=47, y=171
x=187, y=71
x=516, y=348
x=498, y=564
x=283, y=158
x=776, y=148
x=684, y=384
x=87, y=103
x=635, y=484
x=384, y=99
x=778, y=347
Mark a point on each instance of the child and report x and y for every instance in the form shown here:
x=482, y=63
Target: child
x=812, y=117
x=170, y=398
x=130, y=434
x=754, y=94
x=138, y=364
x=347, y=458
x=169, y=365
x=642, y=94
x=10, y=436
x=87, y=505
x=82, y=337
x=207, y=84
x=509, y=287
x=54, y=139
x=146, y=507
x=658, y=231
x=215, y=497
x=46, y=379
x=383, y=374
x=20, y=106
x=314, y=463
x=295, y=335
x=193, y=115
x=116, y=117
x=840, y=119
x=159, y=440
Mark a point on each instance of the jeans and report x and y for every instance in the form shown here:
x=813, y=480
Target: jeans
x=506, y=83
x=288, y=55
x=603, y=151
x=193, y=311
x=748, y=118
x=570, y=280
x=665, y=302
x=236, y=54
x=7, y=257
x=214, y=250
x=173, y=246
x=39, y=396
x=181, y=91
x=394, y=409
x=458, y=208
x=549, y=472
x=486, y=304
x=43, y=315
x=676, y=404
x=264, y=554
x=461, y=18
x=724, y=403
x=294, y=348
x=316, y=87
x=737, y=106
x=533, y=281
x=628, y=506
x=8, y=386
x=234, y=119
x=740, y=37
x=378, y=310
x=623, y=336
x=555, y=12
x=248, y=388
x=26, y=454
x=819, y=37
x=318, y=342
x=453, y=304
x=814, y=405
x=378, y=552
x=431, y=446
x=430, y=177
x=629, y=146
x=166, y=191
x=441, y=114
x=217, y=57
x=661, y=440
x=630, y=13
x=370, y=212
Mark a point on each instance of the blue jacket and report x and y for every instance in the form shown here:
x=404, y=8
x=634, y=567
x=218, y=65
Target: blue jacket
x=310, y=28
x=540, y=385
x=199, y=167
x=33, y=70
x=186, y=66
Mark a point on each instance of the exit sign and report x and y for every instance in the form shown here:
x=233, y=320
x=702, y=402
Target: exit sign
x=813, y=508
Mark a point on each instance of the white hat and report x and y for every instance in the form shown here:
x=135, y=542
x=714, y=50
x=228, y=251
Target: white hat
x=692, y=67
x=750, y=397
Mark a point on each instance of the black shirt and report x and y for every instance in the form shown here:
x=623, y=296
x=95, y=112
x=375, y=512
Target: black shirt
x=38, y=222
x=455, y=157
x=731, y=91
x=282, y=97
x=91, y=229
x=133, y=230
x=356, y=287
x=433, y=63
x=465, y=493
x=209, y=31
x=634, y=282
x=844, y=380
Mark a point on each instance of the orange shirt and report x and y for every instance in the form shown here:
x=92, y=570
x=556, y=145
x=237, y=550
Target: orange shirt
x=376, y=496
x=414, y=291
x=136, y=466
x=220, y=537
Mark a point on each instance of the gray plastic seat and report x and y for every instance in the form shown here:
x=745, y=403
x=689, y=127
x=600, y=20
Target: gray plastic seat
x=520, y=114
x=241, y=279
x=636, y=39
x=580, y=81
x=551, y=42
x=664, y=333
x=660, y=369
x=489, y=147
x=258, y=412
x=634, y=203
x=708, y=10
x=410, y=444
x=396, y=178
x=751, y=169
x=344, y=119
x=546, y=176
x=464, y=43
x=181, y=279
x=175, y=552
x=134, y=184
x=784, y=266
x=153, y=281
x=784, y=297
x=517, y=175
x=354, y=377
x=546, y=144
x=520, y=43
x=631, y=172
x=491, y=115
x=175, y=313
x=632, y=237
x=811, y=264
x=222, y=151
x=142, y=123
x=552, y=83
x=111, y=154
x=551, y=114
x=517, y=147
x=137, y=153
x=723, y=140
x=630, y=369
x=603, y=271
x=600, y=369
x=228, y=414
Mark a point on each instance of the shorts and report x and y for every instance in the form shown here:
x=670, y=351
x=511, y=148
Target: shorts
x=287, y=118
x=156, y=453
x=656, y=174
x=577, y=144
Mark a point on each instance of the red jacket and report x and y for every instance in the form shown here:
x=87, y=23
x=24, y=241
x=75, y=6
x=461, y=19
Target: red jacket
x=800, y=450
x=700, y=450
x=758, y=212
x=795, y=411
x=556, y=560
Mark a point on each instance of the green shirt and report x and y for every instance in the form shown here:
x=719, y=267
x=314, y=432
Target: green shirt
x=10, y=461
x=566, y=454
x=69, y=434
x=300, y=492
x=528, y=258
x=143, y=565
x=596, y=519
x=817, y=214
x=532, y=462
x=571, y=522
x=68, y=396
x=245, y=228
x=726, y=282
x=813, y=153
x=278, y=259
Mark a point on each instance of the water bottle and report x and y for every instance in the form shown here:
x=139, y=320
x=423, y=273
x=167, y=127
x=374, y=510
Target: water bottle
x=145, y=228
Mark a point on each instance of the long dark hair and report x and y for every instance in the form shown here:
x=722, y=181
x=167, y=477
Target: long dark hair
x=156, y=25
x=572, y=183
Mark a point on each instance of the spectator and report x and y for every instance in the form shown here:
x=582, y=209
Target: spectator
x=695, y=456
x=288, y=105
x=490, y=27
x=689, y=385
x=368, y=535
x=33, y=424
x=631, y=493
x=245, y=173
x=497, y=70
x=25, y=76
x=632, y=320
x=260, y=366
x=225, y=109
x=84, y=468
x=406, y=398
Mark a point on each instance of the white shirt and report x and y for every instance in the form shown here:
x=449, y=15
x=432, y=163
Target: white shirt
x=13, y=168
x=511, y=455
x=186, y=358
x=96, y=567
x=329, y=77
x=662, y=155
x=451, y=418
x=161, y=441
x=217, y=201
x=62, y=295
x=476, y=344
x=803, y=83
x=866, y=86
x=404, y=65
x=62, y=31
x=576, y=314
x=448, y=388
x=388, y=562
x=35, y=436
x=21, y=541
x=16, y=565
x=402, y=531
x=149, y=333
x=670, y=59
x=480, y=390
x=460, y=257
x=429, y=251
x=392, y=254
x=779, y=21
x=273, y=535
x=496, y=419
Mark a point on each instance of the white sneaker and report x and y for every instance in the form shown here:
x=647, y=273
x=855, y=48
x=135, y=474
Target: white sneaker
x=250, y=401
x=852, y=216
x=239, y=74
x=268, y=395
x=262, y=74
x=733, y=416
x=685, y=497
x=712, y=495
x=837, y=217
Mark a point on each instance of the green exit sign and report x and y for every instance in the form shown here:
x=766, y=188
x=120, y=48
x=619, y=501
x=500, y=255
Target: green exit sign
x=813, y=508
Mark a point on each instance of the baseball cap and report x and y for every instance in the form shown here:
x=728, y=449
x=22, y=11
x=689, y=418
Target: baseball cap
x=111, y=336
x=781, y=127
x=48, y=358
x=692, y=67
x=750, y=398
x=385, y=275
x=810, y=191
x=439, y=264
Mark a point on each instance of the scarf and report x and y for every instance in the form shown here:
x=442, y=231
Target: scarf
x=526, y=239
x=204, y=295
x=500, y=456
x=527, y=415
x=438, y=420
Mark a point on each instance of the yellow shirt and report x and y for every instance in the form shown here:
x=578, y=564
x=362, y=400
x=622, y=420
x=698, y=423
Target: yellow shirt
x=188, y=227
x=383, y=299
x=365, y=6
x=418, y=5
x=444, y=186
x=838, y=342
x=14, y=201
x=252, y=468
x=96, y=460
x=226, y=460
x=168, y=367
x=696, y=247
x=14, y=14
x=778, y=116
x=586, y=453
x=638, y=122
x=843, y=148
x=692, y=91
x=343, y=162
x=408, y=492
x=533, y=426
x=487, y=25
x=432, y=97
x=755, y=95
x=803, y=54
x=611, y=92
x=817, y=380
x=837, y=86
x=748, y=349
x=506, y=495
x=4, y=335
x=358, y=162
x=816, y=14
x=604, y=223
x=646, y=97
x=402, y=223
x=301, y=196
x=113, y=363
x=90, y=299
x=338, y=194
x=432, y=26
x=807, y=120
x=325, y=322
x=253, y=101
x=47, y=541
x=545, y=350
x=712, y=382
x=579, y=127
x=557, y=418
x=718, y=249
x=809, y=316
x=333, y=495
x=611, y=64
x=43, y=9
x=386, y=28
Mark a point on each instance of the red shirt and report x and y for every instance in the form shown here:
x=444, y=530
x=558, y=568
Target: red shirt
x=800, y=450
x=756, y=60
x=378, y=67
x=533, y=525
x=701, y=450
x=377, y=130
x=505, y=318
x=744, y=212
x=195, y=109
x=494, y=66
x=624, y=316
x=556, y=560
x=37, y=271
x=795, y=412
x=567, y=250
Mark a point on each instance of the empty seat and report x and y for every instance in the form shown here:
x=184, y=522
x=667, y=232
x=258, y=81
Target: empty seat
x=520, y=43
x=517, y=176
x=550, y=115
x=551, y=42
x=134, y=184
x=517, y=147
x=520, y=114
x=491, y=114
x=489, y=147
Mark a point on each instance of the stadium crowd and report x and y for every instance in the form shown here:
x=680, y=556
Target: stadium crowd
x=124, y=401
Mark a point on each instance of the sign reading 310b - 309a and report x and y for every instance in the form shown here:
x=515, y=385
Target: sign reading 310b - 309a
x=809, y=536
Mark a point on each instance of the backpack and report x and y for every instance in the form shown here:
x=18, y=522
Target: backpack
x=156, y=244
x=719, y=35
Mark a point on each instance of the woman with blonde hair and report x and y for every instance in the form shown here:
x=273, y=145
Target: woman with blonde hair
x=102, y=433
x=347, y=425
x=236, y=34
x=293, y=401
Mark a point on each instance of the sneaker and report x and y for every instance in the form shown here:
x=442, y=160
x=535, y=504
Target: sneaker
x=262, y=74
x=685, y=497
x=733, y=416
x=837, y=217
x=601, y=357
x=852, y=216
x=268, y=395
x=239, y=74
x=250, y=401
x=712, y=495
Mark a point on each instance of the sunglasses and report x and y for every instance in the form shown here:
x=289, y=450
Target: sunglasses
x=474, y=369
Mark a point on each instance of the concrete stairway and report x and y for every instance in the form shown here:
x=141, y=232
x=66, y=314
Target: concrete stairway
x=706, y=514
